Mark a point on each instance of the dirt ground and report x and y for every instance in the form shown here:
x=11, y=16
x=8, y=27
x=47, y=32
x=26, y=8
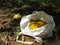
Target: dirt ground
x=6, y=19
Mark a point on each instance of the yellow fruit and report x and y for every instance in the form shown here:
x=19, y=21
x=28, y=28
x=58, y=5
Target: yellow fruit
x=17, y=16
x=35, y=24
x=40, y=23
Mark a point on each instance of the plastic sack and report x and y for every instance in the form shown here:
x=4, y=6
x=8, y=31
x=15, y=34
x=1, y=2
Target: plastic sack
x=45, y=29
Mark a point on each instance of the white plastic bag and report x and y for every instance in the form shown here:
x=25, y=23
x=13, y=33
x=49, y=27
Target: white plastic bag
x=45, y=29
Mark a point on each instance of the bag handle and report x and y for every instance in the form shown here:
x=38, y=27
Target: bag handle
x=38, y=39
x=22, y=41
x=35, y=11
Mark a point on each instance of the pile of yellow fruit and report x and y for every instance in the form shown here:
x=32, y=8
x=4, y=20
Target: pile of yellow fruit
x=35, y=24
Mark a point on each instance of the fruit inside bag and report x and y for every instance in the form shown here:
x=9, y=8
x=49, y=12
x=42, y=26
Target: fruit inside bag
x=35, y=24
